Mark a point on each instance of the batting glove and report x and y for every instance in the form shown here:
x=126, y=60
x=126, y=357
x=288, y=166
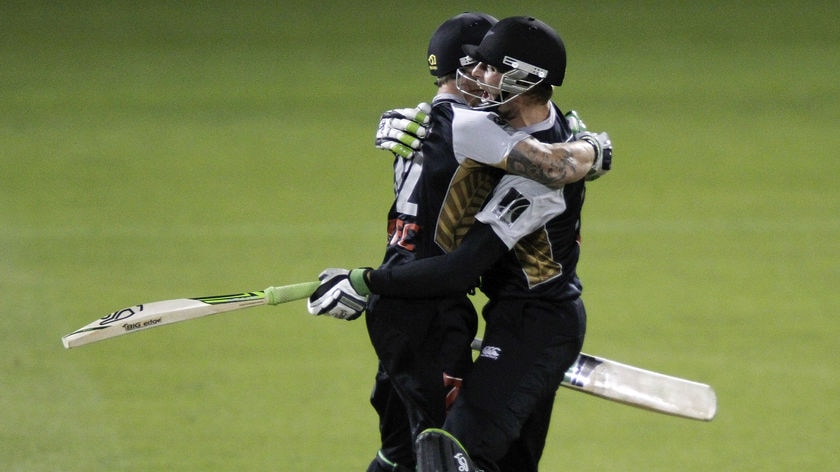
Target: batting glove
x=575, y=123
x=338, y=296
x=603, y=153
x=402, y=130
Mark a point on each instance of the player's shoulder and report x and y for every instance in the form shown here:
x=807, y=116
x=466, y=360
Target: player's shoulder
x=476, y=119
x=442, y=106
x=554, y=129
x=562, y=124
x=447, y=101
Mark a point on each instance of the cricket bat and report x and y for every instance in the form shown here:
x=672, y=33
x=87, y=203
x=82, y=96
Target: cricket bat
x=150, y=315
x=637, y=387
x=589, y=374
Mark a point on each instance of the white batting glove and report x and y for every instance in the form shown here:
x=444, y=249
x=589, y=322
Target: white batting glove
x=402, y=130
x=603, y=153
x=336, y=296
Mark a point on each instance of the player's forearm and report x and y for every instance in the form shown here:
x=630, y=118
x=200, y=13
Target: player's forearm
x=553, y=165
x=433, y=277
x=454, y=272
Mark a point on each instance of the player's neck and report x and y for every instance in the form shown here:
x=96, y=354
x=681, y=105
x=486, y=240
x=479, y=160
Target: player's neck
x=449, y=87
x=522, y=115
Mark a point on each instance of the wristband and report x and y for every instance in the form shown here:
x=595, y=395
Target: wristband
x=357, y=281
x=599, y=153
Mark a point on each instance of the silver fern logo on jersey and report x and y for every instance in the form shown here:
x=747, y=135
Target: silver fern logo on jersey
x=491, y=352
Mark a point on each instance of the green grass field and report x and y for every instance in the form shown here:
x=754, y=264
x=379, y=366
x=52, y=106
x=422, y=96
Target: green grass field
x=181, y=149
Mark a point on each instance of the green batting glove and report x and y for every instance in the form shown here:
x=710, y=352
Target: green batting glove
x=402, y=130
x=575, y=123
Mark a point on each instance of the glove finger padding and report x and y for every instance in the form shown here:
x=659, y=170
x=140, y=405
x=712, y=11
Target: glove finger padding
x=388, y=126
x=400, y=136
x=399, y=149
x=402, y=130
x=419, y=114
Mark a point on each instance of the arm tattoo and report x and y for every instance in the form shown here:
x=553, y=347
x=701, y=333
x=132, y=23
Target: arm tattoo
x=539, y=165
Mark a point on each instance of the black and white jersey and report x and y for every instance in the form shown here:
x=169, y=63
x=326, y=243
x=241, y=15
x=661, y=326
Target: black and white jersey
x=540, y=226
x=522, y=237
x=420, y=186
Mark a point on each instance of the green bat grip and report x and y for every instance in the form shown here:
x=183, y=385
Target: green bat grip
x=288, y=293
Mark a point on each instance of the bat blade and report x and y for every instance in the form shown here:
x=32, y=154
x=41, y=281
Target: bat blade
x=150, y=315
x=641, y=388
x=638, y=387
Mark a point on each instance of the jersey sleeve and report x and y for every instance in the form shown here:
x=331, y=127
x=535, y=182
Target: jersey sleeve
x=452, y=273
x=519, y=206
x=482, y=137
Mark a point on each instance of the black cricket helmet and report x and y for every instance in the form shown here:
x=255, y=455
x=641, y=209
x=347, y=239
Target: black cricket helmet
x=446, y=47
x=527, y=50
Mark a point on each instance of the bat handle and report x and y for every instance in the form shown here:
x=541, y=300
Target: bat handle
x=288, y=293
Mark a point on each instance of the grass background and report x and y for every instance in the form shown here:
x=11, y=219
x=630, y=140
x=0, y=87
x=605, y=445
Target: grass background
x=166, y=149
